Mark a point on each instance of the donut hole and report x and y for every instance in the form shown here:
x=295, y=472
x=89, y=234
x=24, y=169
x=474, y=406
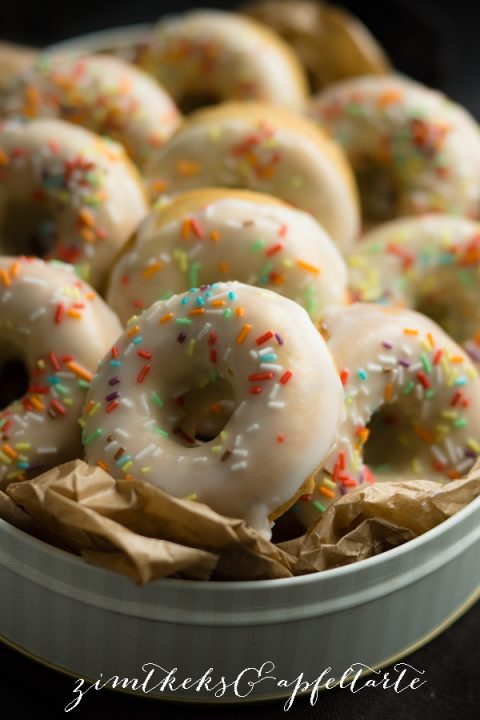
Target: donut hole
x=14, y=380
x=378, y=190
x=193, y=100
x=391, y=443
x=27, y=229
x=204, y=412
x=448, y=309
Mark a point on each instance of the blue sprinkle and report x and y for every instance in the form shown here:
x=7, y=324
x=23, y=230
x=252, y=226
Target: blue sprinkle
x=123, y=460
x=231, y=295
x=362, y=374
x=115, y=363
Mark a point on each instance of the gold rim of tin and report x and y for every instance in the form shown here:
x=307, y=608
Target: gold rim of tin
x=437, y=630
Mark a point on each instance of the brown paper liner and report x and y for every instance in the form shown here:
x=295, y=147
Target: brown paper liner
x=136, y=529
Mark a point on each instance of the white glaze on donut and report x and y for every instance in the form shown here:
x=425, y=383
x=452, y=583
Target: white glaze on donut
x=430, y=264
x=206, y=236
x=421, y=389
x=77, y=195
x=288, y=400
x=58, y=328
x=252, y=146
x=426, y=145
x=103, y=94
x=223, y=56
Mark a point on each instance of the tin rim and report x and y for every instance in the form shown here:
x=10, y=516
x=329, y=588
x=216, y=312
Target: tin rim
x=466, y=605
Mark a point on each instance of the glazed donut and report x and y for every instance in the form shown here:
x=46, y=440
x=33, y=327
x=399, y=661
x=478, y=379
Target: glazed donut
x=412, y=399
x=67, y=194
x=430, y=264
x=331, y=43
x=103, y=94
x=204, y=236
x=53, y=331
x=247, y=145
x=277, y=366
x=413, y=150
x=208, y=56
x=14, y=59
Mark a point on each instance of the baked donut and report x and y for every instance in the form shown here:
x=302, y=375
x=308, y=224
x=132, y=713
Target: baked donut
x=204, y=236
x=331, y=43
x=53, y=331
x=207, y=56
x=430, y=264
x=101, y=93
x=67, y=194
x=14, y=59
x=412, y=399
x=412, y=149
x=249, y=145
x=261, y=346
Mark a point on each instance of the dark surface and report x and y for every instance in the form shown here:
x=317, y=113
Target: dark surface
x=450, y=665
x=437, y=43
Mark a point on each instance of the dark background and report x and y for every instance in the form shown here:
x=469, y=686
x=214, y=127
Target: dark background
x=437, y=43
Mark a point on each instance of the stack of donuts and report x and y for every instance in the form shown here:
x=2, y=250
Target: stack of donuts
x=240, y=261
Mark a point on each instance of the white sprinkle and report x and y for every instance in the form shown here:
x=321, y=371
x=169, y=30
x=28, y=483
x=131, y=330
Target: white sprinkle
x=129, y=349
x=127, y=403
x=37, y=313
x=238, y=440
x=252, y=428
x=270, y=366
x=33, y=416
x=464, y=466
x=414, y=367
x=226, y=354
x=239, y=466
x=387, y=359
x=419, y=391
x=450, y=447
x=241, y=452
x=7, y=295
x=204, y=331
x=274, y=391
x=144, y=401
x=276, y=404
x=146, y=451
x=111, y=446
x=374, y=367
x=239, y=408
x=407, y=349
x=364, y=390
x=122, y=433
x=33, y=281
x=149, y=423
x=266, y=351
x=159, y=452
x=200, y=459
x=439, y=455
x=253, y=354
x=46, y=450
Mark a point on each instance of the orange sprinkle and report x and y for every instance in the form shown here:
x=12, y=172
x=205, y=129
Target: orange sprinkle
x=425, y=435
x=166, y=318
x=186, y=226
x=431, y=341
x=326, y=491
x=224, y=266
x=456, y=359
x=388, y=392
x=308, y=267
x=243, y=333
x=87, y=217
x=15, y=269
x=102, y=464
x=159, y=186
x=410, y=331
x=215, y=235
x=389, y=97
x=9, y=451
x=197, y=311
x=80, y=371
x=187, y=168
x=240, y=311
x=87, y=234
x=37, y=404
x=152, y=269
x=4, y=160
x=217, y=303
x=90, y=405
x=453, y=474
x=133, y=331
x=216, y=408
x=74, y=313
x=5, y=278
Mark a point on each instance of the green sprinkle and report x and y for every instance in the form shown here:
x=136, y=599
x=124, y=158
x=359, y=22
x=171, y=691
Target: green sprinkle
x=96, y=434
x=227, y=312
x=460, y=423
x=83, y=384
x=318, y=506
x=408, y=387
x=427, y=365
x=156, y=400
x=257, y=245
x=159, y=431
x=183, y=321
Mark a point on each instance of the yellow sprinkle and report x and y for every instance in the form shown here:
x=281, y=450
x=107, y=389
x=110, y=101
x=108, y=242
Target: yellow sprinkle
x=192, y=496
x=5, y=459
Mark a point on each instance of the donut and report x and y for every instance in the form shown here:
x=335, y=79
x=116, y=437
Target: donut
x=331, y=43
x=430, y=264
x=103, y=94
x=208, y=56
x=260, y=345
x=14, y=59
x=204, y=236
x=412, y=399
x=54, y=329
x=247, y=145
x=67, y=194
x=412, y=149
